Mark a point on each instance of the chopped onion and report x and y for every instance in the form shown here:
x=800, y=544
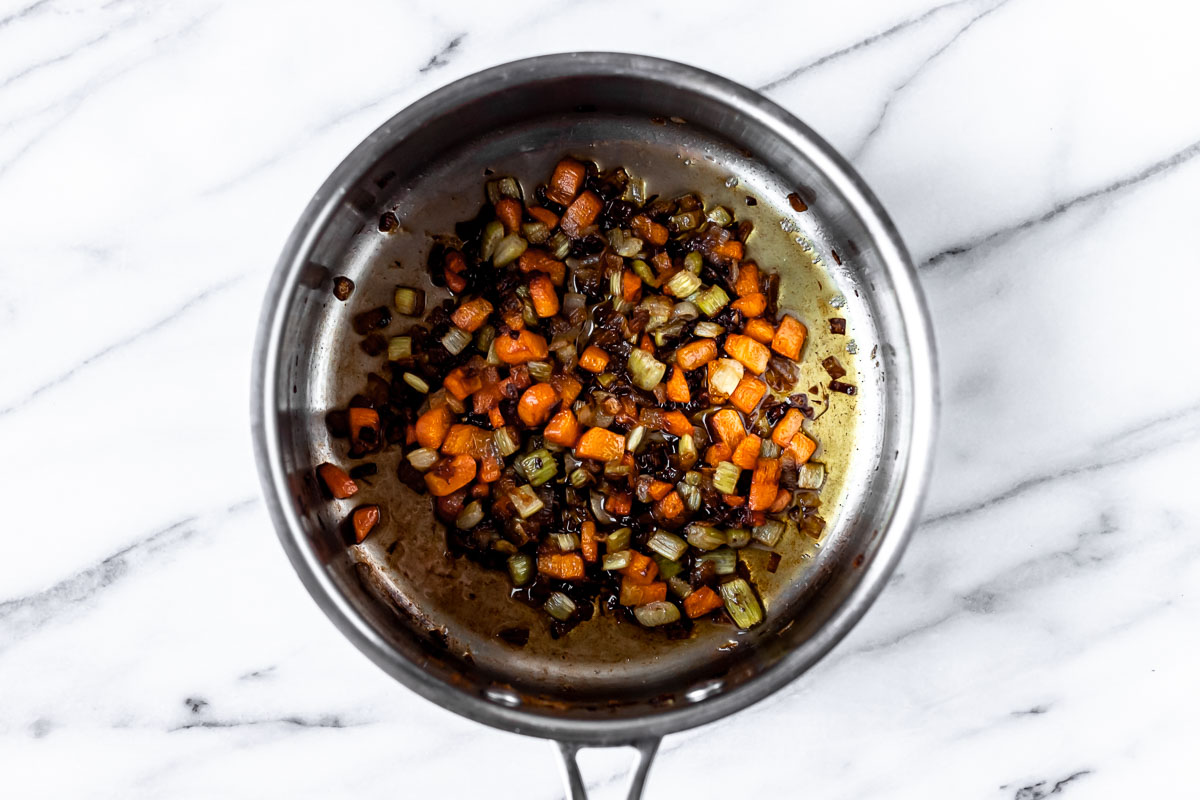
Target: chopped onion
x=659, y=612
x=470, y=516
x=634, y=440
x=811, y=476
x=423, y=458
x=598, y=511
x=679, y=587
x=540, y=370
x=526, y=501
x=688, y=454
x=709, y=330
x=685, y=311
x=694, y=262
x=726, y=375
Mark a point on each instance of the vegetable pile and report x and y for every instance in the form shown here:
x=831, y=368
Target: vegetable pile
x=607, y=407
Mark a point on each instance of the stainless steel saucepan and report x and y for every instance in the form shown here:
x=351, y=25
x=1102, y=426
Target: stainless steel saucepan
x=431, y=621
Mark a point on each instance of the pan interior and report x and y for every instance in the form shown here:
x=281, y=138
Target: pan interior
x=442, y=614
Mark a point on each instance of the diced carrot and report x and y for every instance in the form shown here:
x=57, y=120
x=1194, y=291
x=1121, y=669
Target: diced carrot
x=471, y=315
x=541, y=292
x=454, y=267
x=462, y=382
x=364, y=518
x=563, y=428
x=363, y=418
x=567, y=386
x=752, y=355
x=749, y=392
x=633, y=594
x=600, y=444
x=732, y=249
x=536, y=403
x=541, y=261
x=801, y=447
x=646, y=343
x=544, y=216
x=580, y=214
x=455, y=282
x=677, y=387
x=594, y=359
x=782, y=501
x=481, y=489
x=490, y=468
x=677, y=423
x=696, y=354
x=764, y=484
x=752, y=305
x=513, y=319
x=701, y=601
x=660, y=489
x=590, y=545
x=454, y=261
x=728, y=426
x=564, y=566
x=508, y=211
x=734, y=500
x=433, y=425
x=565, y=182
x=521, y=348
x=789, y=338
x=759, y=330
x=670, y=507
x=618, y=503
x=648, y=230
x=496, y=417
x=716, y=453
x=450, y=474
x=464, y=439
x=787, y=427
x=745, y=455
x=631, y=286
x=747, y=280
x=642, y=569
x=339, y=483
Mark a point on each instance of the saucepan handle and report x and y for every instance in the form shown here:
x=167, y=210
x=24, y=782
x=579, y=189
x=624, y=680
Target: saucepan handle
x=646, y=748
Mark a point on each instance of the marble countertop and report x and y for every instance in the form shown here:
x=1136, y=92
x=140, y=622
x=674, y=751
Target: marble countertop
x=1042, y=634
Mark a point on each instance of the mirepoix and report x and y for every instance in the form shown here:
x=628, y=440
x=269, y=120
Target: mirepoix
x=606, y=407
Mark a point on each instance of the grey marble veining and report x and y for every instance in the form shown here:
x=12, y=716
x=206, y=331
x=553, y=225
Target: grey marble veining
x=1040, y=638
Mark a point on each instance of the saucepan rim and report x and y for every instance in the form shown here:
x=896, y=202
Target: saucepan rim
x=269, y=348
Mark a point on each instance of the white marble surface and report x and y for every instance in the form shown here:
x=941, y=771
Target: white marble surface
x=1042, y=635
